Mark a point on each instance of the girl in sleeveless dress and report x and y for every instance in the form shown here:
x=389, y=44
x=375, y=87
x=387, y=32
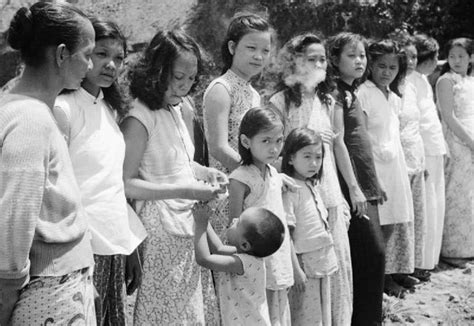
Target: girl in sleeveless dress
x=160, y=174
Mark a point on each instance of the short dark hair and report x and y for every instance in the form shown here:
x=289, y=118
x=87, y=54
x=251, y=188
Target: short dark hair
x=43, y=25
x=335, y=46
x=388, y=46
x=296, y=140
x=266, y=235
x=427, y=47
x=149, y=75
x=241, y=25
x=257, y=120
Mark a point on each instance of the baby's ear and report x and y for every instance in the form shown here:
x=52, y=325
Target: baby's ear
x=245, y=246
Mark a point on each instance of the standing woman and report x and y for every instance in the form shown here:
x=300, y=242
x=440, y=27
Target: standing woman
x=455, y=97
x=89, y=118
x=45, y=253
x=160, y=174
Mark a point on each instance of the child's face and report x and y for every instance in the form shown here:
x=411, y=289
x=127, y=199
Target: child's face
x=108, y=59
x=265, y=146
x=412, y=58
x=307, y=161
x=236, y=232
x=250, y=54
x=458, y=60
x=182, y=78
x=352, y=61
x=384, y=70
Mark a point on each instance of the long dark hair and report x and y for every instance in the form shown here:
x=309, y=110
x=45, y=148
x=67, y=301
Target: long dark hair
x=255, y=121
x=241, y=25
x=149, y=75
x=296, y=140
x=293, y=48
x=384, y=47
x=43, y=25
x=113, y=95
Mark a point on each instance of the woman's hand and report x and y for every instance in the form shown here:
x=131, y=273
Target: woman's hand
x=201, y=213
x=358, y=201
x=217, y=178
x=133, y=272
x=383, y=197
x=288, y=183
x=203, y=191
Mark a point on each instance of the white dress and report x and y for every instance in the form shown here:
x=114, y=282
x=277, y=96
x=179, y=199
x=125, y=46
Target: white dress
x=396, y=214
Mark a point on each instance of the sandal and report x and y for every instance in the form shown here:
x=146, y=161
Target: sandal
x=392, y=289
x=405, y=280
x=423, y=275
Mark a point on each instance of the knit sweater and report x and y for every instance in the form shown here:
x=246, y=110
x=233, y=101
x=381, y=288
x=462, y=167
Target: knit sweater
x=43, y=231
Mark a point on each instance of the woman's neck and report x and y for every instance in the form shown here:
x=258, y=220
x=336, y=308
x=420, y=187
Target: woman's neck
x=384, y=89
x=37, y=83
x=91, y=88
x=348, y=80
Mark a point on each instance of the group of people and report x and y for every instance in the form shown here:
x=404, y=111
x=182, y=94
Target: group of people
x=343, y=185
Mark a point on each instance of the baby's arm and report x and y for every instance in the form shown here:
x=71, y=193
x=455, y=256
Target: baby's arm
x=204, y=257
x=237, y=193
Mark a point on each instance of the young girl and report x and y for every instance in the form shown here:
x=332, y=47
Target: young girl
x=455, y=97
x=380, y=100
x=434, y=147
x=256, y=234
x=88, y=118
x=304, y=101
x=348, y=59
x=310, y=298
x=245, y=52
x=46, y=258
x=257, y=184
x=159, y=173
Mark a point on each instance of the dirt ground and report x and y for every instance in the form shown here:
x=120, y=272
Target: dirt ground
x=447, y=300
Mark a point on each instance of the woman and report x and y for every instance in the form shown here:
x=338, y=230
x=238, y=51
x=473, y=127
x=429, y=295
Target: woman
x=45, y=255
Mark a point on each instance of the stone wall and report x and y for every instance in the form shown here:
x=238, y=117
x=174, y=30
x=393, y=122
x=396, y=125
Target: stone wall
x=138, y=19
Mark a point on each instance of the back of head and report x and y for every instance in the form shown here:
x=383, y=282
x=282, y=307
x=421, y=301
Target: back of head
x=266, y=234
x=44, y=25
x=385, y=47
x=241, y=24
x=427, y=47
x=257, y=120
x=149, y=76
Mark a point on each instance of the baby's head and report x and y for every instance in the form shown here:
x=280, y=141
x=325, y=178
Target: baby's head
x=257, y=232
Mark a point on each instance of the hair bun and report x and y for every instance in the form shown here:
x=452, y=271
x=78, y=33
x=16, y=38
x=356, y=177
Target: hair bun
x=20, y=32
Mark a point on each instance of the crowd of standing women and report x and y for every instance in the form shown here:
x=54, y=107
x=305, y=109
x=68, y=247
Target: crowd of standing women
x=351, y=180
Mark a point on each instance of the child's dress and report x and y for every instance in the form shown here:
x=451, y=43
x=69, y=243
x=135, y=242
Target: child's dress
x=242, y=298
x=243, y=97
x=266, y=192
x=315, y=249
x=170, y=291
x=413, y=149
x=396, y=214
x=458, y=239
x=314, y=115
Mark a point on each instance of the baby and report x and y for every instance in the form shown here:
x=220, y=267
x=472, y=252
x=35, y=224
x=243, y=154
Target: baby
x=257, y=233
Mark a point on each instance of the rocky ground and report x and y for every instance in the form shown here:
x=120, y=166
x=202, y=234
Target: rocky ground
x=447, y=300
